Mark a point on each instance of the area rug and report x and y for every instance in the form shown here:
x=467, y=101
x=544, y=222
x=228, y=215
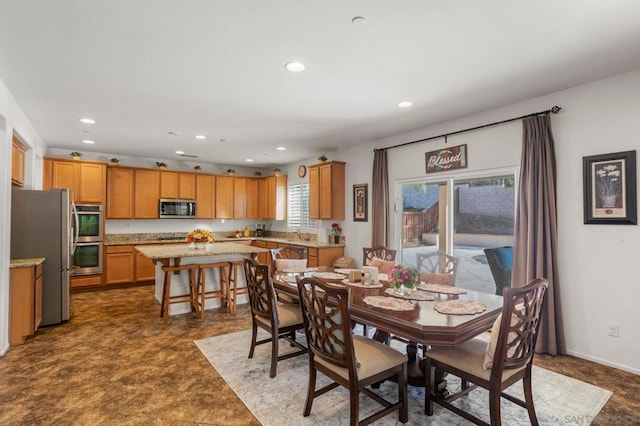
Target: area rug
x=280, y=401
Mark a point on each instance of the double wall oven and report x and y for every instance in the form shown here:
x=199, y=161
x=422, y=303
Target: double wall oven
x=87, y=231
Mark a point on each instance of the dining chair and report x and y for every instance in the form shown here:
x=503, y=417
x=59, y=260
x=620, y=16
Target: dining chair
x=280, y=320
x=476, y=362
x=437, y=268
x=288, y=253
x=350, y=361
x=500, y=260
x=380, y=252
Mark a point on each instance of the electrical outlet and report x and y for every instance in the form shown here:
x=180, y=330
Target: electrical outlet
x=613, y=329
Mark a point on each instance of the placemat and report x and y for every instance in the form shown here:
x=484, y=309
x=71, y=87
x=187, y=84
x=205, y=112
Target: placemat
x=345, y=271
x=347, y=282
x=460, y=307
x=415, y=295
x=289, y=278
x=439, y=288
x=328, y=276
x=300, y=270
x=390, y=303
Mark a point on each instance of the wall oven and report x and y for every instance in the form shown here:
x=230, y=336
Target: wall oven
x=87, y=230
x=88, y=224
x=87, y=259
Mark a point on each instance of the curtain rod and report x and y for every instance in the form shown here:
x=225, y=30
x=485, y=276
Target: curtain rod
x=554, y=110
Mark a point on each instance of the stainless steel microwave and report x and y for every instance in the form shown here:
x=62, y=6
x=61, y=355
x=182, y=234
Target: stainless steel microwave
x=177, y=209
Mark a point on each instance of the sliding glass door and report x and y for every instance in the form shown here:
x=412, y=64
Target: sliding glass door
x=460, y=216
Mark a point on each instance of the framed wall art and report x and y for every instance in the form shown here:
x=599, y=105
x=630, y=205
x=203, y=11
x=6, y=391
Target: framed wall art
x=609, y=182
x=360, y=202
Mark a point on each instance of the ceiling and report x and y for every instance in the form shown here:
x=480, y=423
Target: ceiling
x=145, y=68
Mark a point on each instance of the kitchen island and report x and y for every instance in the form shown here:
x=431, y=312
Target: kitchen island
x=187, y=254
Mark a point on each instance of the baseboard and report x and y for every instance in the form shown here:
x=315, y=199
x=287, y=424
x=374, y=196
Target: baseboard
x=604, y=362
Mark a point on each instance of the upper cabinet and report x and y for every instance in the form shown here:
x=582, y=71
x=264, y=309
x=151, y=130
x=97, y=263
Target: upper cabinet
x=326, y=190
x=205, y=196
x=120, y=193
x=86, y=180
x=17, y=162
x=177, y=185
x=224, y=197
x=273, y=197
x=146, y=194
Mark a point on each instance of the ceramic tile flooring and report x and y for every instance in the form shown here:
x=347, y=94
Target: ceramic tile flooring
x=115, y=362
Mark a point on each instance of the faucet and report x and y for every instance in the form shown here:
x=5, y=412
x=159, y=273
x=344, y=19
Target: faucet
x=299, y=234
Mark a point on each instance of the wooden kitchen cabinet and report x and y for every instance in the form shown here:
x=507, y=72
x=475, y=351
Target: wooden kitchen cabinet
x=177, y=185
x=18, y=150
x=263, y=258
x=146, y=194
x=205, y=196
x=323, y=256
x=25, y=302
x=224, y=197
x=120, y=193
x=86, y=180
x=145, y=268
x=119, y=264
x=327, y=190
x=273, y=197
x=245, y=198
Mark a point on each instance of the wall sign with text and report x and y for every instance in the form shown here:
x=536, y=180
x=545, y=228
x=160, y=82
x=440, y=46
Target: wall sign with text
x=444, y=159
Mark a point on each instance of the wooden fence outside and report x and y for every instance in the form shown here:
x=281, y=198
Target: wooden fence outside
x=414, y=224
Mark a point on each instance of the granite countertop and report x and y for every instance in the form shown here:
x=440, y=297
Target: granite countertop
x=176, y=238
x=166, y=251
x=26, y=263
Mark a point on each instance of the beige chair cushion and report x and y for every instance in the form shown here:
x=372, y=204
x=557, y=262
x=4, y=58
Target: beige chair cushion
x=493, y=341
x=288, y=314
x=282, y=264
x=384, y=266
x=372, y=358
x=434, y=278
x=469, y=357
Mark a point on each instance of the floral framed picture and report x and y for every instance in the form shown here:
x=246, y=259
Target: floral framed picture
x=609, y=182
x=360, y=202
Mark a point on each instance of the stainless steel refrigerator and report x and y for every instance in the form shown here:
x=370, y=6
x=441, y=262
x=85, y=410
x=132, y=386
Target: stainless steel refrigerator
x=41, y=227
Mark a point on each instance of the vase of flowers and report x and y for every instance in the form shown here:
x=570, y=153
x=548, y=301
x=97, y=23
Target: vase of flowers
x=335, y=232
x=404, y=279
x=200, y=237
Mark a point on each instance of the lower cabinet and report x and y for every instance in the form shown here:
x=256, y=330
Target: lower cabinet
x=323, y=256
x=25, y=302
x=145, y=268
x=124, y=265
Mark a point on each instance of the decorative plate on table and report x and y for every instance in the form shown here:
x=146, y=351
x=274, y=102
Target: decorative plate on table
x=439, y=288
x=329, y=276
x=414, y=295
x=460, y=307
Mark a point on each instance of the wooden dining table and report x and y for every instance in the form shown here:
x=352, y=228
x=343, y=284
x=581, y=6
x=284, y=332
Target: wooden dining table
x=422, y=325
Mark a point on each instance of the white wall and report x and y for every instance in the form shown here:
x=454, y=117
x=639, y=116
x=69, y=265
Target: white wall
x=598, y=280
x=12, y=119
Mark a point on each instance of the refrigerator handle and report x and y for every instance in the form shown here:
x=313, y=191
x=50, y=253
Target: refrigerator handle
x=76, y=228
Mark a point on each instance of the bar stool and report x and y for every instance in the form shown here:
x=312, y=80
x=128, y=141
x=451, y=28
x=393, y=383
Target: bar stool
x=168, y=299
x=234, y=288
x=202, y=294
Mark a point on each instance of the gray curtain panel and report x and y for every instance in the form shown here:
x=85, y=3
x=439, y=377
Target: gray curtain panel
x=380, y=200
x=536, y=236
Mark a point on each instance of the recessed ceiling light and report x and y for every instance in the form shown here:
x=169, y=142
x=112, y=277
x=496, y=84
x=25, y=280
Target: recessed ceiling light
x=405, y=104
x=88, y=141
x=87, y=120
x=294, y=66
x=200, y=137
x=281, y=148
x=249, y=160
x=179, y=152
x=174, y=133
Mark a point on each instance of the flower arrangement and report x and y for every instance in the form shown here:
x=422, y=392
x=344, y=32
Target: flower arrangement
x=336, y=229
x=161, y=165
x=608, y=180
x=322, y=158
x=404, y=278
x=76, y=155
x=200, y=236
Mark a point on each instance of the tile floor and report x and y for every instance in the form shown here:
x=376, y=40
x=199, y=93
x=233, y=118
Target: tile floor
x=115, y=362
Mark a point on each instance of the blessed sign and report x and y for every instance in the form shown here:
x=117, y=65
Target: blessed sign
x=451, y=158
